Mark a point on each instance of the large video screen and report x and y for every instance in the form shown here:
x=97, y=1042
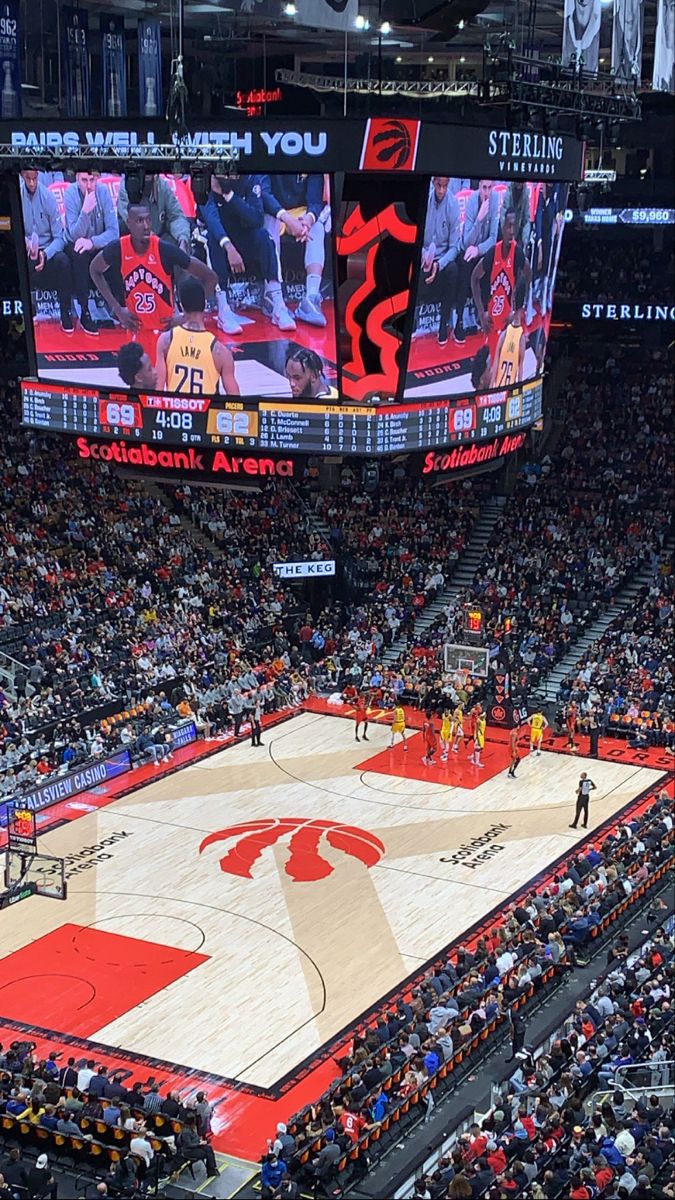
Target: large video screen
x=485, y=285
x=232, y=296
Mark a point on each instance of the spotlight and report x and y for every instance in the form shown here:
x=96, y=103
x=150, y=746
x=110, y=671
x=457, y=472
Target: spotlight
x=290, y=10
x=461, y=24
x=360, y=22
x=398, y=58
x=430, y=58
x=385, y=28
x=462, y=59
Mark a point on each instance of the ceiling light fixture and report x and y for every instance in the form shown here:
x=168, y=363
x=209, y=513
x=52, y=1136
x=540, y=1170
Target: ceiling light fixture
x=430, y=58
x=398, y=58
x=290, y=10
x=461, y=24
x=462, y=59
x=385, y=28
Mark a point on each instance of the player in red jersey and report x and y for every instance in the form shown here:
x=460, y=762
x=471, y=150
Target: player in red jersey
x=571, y=723
x=502, y=267
x=361, y=718
x=513, y=750
x=146, y=265
x=470, y=724
x=430, y=739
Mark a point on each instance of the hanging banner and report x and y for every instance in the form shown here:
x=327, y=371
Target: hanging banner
x=581, y=34
x=10, y=98
x=76, y=79
x=113, y=66
x=627, y=39
x=327, y=14
x=320, y=14
x=150, y=67
x=664, y=48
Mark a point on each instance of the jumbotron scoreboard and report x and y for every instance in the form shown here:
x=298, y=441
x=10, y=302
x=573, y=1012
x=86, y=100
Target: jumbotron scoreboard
x=305, y=428
x=366, y=365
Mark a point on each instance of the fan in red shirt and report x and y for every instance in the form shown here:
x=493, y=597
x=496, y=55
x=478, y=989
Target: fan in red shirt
x=496, y=1158
x=430, y=739
x=361, y=718
x=352, y=1125
x=603, y=1177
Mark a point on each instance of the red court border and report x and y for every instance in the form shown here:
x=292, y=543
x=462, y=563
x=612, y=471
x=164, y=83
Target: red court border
x=246, y=1114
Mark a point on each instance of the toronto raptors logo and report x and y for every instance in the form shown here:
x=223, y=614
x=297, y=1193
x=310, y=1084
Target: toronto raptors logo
x=305, y=863
x=390, y=145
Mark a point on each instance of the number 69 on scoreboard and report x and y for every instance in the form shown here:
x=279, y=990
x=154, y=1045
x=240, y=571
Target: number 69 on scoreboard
x=463, y=420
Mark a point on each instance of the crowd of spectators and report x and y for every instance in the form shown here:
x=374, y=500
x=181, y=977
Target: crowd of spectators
x=565, y=1127
x=582, y=522
x=111, y=595
x=613, y=266
x=110, y=602
x=154, y=1134
x=626, y=679
x=111, y=598
x=551, y=928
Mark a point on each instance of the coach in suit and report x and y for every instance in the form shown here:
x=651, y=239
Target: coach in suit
x=68, y=1075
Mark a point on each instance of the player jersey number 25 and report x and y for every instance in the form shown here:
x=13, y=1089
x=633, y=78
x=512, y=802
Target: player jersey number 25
x=145, y=303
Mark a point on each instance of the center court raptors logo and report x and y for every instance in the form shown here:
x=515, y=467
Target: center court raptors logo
x=305, y=863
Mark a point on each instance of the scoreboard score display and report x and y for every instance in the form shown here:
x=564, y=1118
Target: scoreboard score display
x=387, y=350
x=306, y=427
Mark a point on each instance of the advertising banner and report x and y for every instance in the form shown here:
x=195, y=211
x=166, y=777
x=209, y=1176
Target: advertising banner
x=297, y=145
x=63, y=787
x=113, y=65
x=183, y=734
x=304, y=570
x=76, y=75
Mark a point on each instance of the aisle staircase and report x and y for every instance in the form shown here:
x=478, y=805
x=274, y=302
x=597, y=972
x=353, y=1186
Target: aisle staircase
x=461, y=578
x=164, y=492
x=548, y=689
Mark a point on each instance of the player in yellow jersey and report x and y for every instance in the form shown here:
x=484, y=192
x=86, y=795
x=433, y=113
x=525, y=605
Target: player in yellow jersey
x=479, y=724
x=190, y=360
x=538, y=724
x=398, y=726
x=512, y=344
x=446, y=734
x=457, y=728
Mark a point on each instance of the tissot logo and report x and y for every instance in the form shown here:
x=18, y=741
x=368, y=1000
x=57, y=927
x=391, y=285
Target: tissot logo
x=530, y=153
x=305, y=864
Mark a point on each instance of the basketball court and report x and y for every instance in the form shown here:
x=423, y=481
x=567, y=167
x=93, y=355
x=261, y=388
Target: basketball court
x=237, y=917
